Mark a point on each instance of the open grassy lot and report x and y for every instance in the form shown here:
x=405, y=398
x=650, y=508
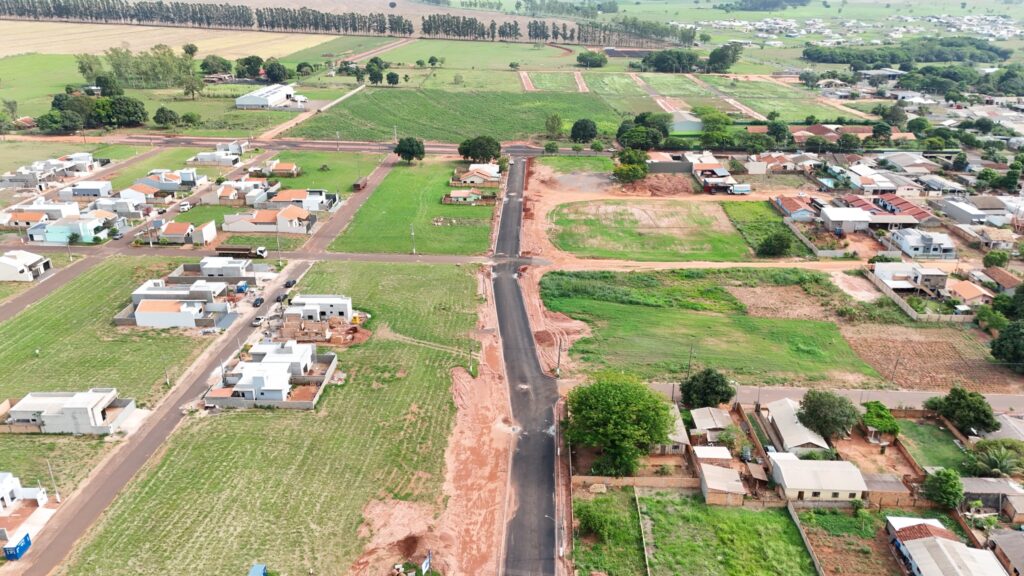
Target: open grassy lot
x=25, y=456
x=171, y=159
x=792, y=103
x=690, y=537
x=931, y=445
x=647, y=231
x=15, y=154
x=335, y=48
x=23, y=81
x=457, y=80
x=69, y=337
x=452, y=116
x=287, y=242
x=8, y=289
x=674, y=85
x=118, y=151
x=570, y=164
x=641, y=322
x=622, y=554
x=615, y=84
x=381, y=434
x=343, y=169
x=554, y=81
x=758, y=220
x=204, y=213
x=411, y=196
x=219, y=116
x=482, y=55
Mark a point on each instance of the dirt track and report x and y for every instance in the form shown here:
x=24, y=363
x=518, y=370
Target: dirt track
x=528, y=86
x=581, y=84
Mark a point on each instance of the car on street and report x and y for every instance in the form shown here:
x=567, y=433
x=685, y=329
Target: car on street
x=258, y=321
x=289, y=284
x=280, y=297
x=117, y=235
x=185, y=206
x=161, y=210
x=258, y=302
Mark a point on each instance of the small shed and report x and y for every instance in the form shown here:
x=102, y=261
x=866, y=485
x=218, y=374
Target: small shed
x=716, y=455
x=16, y=547
x=1013, y=509
x=258, y=570
x=721, y=486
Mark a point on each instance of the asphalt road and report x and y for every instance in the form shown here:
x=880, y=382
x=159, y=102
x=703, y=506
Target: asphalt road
x=531, y=539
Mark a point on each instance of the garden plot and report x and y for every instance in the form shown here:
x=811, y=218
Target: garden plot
x=850, y=545
x=553, y=81
x=647, y=231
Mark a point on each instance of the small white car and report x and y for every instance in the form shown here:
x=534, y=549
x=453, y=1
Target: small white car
x=185, y=206
x=258, y=321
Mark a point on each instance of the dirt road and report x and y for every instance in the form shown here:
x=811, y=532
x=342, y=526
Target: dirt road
x=581, y=83
x=524, y=79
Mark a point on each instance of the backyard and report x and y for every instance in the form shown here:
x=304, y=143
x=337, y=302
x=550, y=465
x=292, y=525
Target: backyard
x=758, y=220
x=931, y=445
x=409, y=201
x=217, y=112
x=381, y=435
x=692, y=538
x=621, y=553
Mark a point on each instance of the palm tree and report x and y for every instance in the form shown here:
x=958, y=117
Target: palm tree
x=997, y=462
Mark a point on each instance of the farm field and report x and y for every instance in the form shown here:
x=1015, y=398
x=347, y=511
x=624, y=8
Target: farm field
x=170, y=158
x=674, y=85
x=343, y=169
x=464, y=80
x=647, y=231
x=287, y=242
x=337, y=48
x=23, y=83
x=623, y=552
x=94, y=353
x=571, y=164
x=931, y=445
x=381, y=434
x=641, y=321
x=554, y=81
x=219, y=116
x=612, y=84
x=690, y=537
x=758, y=220
x=205, y=212
x=411, y=196
x=451, y=116
x=482, y=55
x=792, y=104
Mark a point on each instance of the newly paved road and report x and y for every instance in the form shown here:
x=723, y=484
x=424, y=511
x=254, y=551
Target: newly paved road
x=531, y=540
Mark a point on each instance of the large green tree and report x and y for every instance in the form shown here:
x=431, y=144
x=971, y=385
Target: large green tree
x=967, y=410
x=214, y=64
x=583, y=130
x=621, y=417
x=944, y=487
x=709, y=387
x=827, y=413
x=480, y=149
x=410, y=149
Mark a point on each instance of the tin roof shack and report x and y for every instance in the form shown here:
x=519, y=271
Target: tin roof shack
x=794, y=436
x=276, y=374
x=677, y=438
x=1008, y=546
x=817, y=480
x=929, y=550
x=709, y=422
x=98, y=411
x=991, y=491
x=721, y=486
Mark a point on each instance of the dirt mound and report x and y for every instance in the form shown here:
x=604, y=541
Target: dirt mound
x=660, y=185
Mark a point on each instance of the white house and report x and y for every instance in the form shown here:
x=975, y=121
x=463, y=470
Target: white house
x=124, y=207
x=215, y=158
x=21, y=266
x=478, y=175
x=920, y=244
x=927, y=548
x=86, y=189
x=828, y=480
x=261, y=381
x=169, y=313
x=140, y=194
x=320, y=307
x=53, y=210
x=200, y=290
x=847, y=220
x=11, y=491
x=225, y=267
x=795, y=437
x=297, y=357
x=264, y=97
x=237, y=147
x=309, y=200
x=98, y=411
x=290, y=220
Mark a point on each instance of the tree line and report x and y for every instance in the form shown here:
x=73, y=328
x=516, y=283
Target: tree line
x=953, y=49
x=686, y=61
x=760, y=5
x=307, y=20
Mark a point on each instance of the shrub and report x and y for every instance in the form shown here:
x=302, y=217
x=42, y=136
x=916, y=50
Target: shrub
x=880, y=418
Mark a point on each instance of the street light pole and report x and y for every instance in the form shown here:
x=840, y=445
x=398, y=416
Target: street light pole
x=412, y=233
x=56, y=491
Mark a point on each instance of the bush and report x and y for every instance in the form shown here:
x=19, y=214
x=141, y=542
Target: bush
x=774, y=245
x=596, y=517
x=627, y=173
x=880, y=418
x=551, y=148
x=944, y=487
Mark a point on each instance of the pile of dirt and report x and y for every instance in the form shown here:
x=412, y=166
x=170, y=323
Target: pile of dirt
x=660, y=185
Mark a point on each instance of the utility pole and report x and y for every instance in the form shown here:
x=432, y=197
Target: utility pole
x=395, y=128
x=337, y=139
x=412, y=234
x=56, y=491
x=167, y=377
x=558, y=363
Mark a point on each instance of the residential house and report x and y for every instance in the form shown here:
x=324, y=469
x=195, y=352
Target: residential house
x=831, y=83
x=177, y=232
x=991, y=491
x=963, y=213
x=272, y=96
x=721, y=485
x=886, y=489
x=910, y=276
x=890, y=74
x=1004, y=279
x=898, y=205
x=170, y=313
x=904, y=186
x=991, y=205
x=290, y=220
x=199, y=291
x=21, y=266
x=969, y=293
x=919, y=244
x=276, y=168
x=227, y=193
x=236, y=147
x=88, y=227
x=845, y=220
x=464, y=196
x=778, y=162
x=267, y=377
x=225, y=267
x=817, y=480
x=86, y=189
x=925, y=549
x=715, y=455
x=710, y=422
x=320, y=307
x=678, y=439
x=123, y=207
x=142, y=194
x=98, y=411
x=173, y=180
x=940, y=185
x=1013, y=508
x=41, y=173
x=795, y=208
x=258, y=381
x=23, y=219
x=795, y=437
x=996, y=238
x=309, y=200
x=299, y=358
x=909, y=162
x=52, y=210
x=215, y=158
x=864, y=178
x=477, y=175
x=1008, y=546
x=11, y=492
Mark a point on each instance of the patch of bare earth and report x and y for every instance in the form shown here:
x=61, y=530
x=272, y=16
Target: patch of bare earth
x=852, y=556
x=858, y=287
x=660, y=185
x=779, y=302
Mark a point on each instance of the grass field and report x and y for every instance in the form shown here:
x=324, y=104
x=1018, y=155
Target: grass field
x=219, y=116
x=118, y=151
x=792, y=104
x=381, y=434
x=615, y=84
x=69, y=337
x=570, y=164
x=204, y=213
x=464, y=80
x=26, y=455
x=931, y=445
x=15, y=154
x=411, y=196
x=481, y=55
x=554, y=81
x=641, y=322
x=690, y=537
x=758, y=220
x=287, y=242
x=171, y=159
x=333, y=49
x=674, y=85
x=343, y=169
x=23, y=83
x=452, y=116
x=647, y=231
x=623, y=553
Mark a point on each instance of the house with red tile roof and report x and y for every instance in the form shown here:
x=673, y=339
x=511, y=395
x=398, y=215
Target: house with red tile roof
x=289, y=220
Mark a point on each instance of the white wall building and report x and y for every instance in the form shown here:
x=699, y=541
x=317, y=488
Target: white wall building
x=266, y=97
x=169, y=313
x=98, y=411
x=86, y=189
x=831, y=480
x=22, y=266
x=320, y=307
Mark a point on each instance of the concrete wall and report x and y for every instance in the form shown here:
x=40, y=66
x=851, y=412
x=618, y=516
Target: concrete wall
x=803, y=536
x=642, y=482
x=899, y=301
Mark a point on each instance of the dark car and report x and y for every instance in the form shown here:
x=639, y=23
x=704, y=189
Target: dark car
x=280, y=297
x=289, y=284
x=258, y=302
x=161, y=210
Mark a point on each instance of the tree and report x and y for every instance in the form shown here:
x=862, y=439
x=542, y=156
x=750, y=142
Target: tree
x=640, y=138
x=512, y=65
x=433, y=61
x=996, y=258
x=704, y=37
x=709, y=387
x=960, y=162
x=583, y=130
x=166, y=117
x=276, y=72
x=60, y=122
x=304, y=69
x=816, y=143
x=627, y=173
x=881, y=131
x=410, y=149
x=551, y=147
x=108, y=85
x=995, y=462
x=919, y=125
x=190, y=50
x=895, y=116
x=774, y=245
x=809, y=78
x=553, y=126
x=848, y=142
x=1008, y=347
x=590, y=59
x=191, y=119
x=393, y=78
x=375, y=75
x=125, y=111
x=74, y=238
x=723, y=57
x=827, y=413
x=214, y=64
x=779, y=130
x=248, y=67
x=620, y=416
x=480, y=149
x=632, y=156
x=597, y=146
x=968, y=411
x=421, y=64
x=944, y=487
x=11, y=107
x=192, y=85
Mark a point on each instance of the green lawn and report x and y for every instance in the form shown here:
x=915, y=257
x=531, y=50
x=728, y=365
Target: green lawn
x=930, y=445
x=118, y=151
x=571, y=164
x=452, y=116
x=72, y=458
x=614, y=84
x=464, y=80
x=481, y=55
x=645, y=231
x=343, y=169
x=219, y=116
x=411, y=196
x=336, y=48
x=646, y=323
x=692, y=538
x=623, y=553
x=554, y=81
x=170, y=159
x=31, y=80
x=287, y=242
x=381, y=434
x=67, y=342
x=758, y=220
x=204, y=213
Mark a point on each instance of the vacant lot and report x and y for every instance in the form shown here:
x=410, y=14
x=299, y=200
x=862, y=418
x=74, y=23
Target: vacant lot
x=286, y=242
x=571, y=164
x=647, y=231
x=642, y=322
x=26, y=456
x=850, y=545
x=554, y=81
x=456, y=80
x=204, y=213
x=482, y=55
x=674, y=85
x=757, y=220
x=334, y=49
x=331, y=171
x=930, y=445
x=408, y=201
x=69, y=338
x=452, y=116
x=613, y=84
x=380, y=435
x=23, y=83
x=792, y=103
x=690, y=537
x=15, y=154
x=622, y=554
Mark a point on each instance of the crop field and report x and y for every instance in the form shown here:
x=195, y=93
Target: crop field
x=381, y=434
x=690, y=537
x=337, y=47
x=554, y=81
x=674, y=85
x=219, y=116
x=171, y=159
x=465, y=80
x=23, y=83
x=931, y=445
x=410, y=196
x=570, y=164
x=205, y=212
x=623, y=552
x=647, y=231
x=482, y=55
x=41, y=339
x=612, y=84
x=758, y=220
x=287, y=242
x=641, y=321
x=791, y=103
x=451, y=116
x=26, y=37
x=342, y=169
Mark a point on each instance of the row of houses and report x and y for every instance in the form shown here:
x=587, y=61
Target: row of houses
x=42, y=174
x=981, y=286
x=829, y=132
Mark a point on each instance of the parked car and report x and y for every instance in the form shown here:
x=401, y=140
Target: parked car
x=185, y=206
x=161, y=210
x=206, y=331
x=258, y=302
x=280, y=297
x=258, y=321
x=289, y=284
x=117, y=235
